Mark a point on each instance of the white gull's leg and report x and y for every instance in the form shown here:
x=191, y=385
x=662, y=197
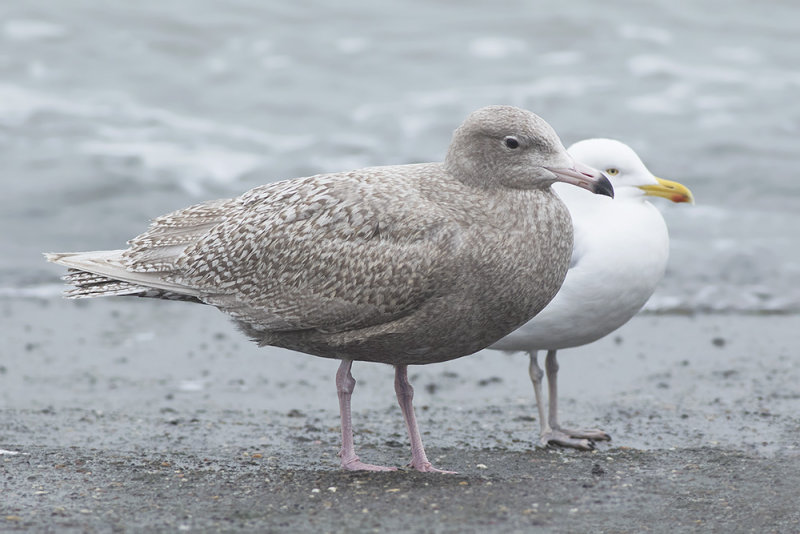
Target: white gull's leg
x=564, y=437
x=536, y=375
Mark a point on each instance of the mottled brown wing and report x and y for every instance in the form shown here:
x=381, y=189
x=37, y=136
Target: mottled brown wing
x=329, y=252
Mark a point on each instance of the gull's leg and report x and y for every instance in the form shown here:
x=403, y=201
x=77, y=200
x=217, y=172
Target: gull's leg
x=405, y=396
x=536, y=375
x=578, y=439
x=550, y=436
x=345, y=383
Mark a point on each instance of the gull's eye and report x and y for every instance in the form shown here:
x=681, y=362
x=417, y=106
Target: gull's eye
x=511, y=141
x=612, y=171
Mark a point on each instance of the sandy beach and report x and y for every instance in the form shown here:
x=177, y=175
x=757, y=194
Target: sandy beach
x=129, y=415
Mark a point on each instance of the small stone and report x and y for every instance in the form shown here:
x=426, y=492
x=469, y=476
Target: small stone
x=491, y=380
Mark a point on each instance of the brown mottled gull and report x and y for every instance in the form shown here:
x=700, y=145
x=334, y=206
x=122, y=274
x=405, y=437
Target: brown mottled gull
x=408, y=264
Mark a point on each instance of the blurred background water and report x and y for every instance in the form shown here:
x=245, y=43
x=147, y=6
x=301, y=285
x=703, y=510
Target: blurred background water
x=113, y=113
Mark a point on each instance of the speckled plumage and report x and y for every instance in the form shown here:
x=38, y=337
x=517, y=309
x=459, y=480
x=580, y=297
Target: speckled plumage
x=340, y=265
x=407, y=264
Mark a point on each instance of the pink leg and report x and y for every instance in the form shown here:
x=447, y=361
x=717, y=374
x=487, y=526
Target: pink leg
x=345, y=383
x=405, y=396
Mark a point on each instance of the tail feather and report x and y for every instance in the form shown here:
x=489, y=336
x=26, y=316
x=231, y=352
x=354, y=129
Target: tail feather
x=99, y=286
x=76, y=277
x=149, y=267
x=104, y=273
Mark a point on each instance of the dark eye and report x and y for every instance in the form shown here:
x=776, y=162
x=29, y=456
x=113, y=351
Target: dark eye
x=511, y=142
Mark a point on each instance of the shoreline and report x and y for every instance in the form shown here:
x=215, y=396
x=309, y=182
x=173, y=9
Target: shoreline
x=146, y=415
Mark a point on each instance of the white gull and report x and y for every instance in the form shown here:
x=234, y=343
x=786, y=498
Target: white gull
x=620, y=254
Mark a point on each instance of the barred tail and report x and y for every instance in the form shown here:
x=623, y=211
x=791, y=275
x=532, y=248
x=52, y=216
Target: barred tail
x=104, y=273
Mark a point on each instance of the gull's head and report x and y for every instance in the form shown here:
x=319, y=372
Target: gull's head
x=505, y=146
x=629, y=176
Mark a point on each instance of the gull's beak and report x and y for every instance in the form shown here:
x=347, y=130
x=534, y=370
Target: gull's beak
x=587, y=178
x=667, y=189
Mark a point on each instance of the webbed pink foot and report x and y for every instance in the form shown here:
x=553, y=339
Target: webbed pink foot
x=354, y=464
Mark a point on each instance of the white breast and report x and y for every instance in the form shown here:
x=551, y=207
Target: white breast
x=620, y=254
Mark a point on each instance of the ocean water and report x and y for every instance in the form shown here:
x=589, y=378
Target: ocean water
x=114, y=113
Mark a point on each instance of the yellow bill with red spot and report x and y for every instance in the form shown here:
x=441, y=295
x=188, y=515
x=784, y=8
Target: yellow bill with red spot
x=674, y=191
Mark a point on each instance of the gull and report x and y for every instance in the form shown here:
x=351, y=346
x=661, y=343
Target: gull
x=403, y=265
x=620, y=253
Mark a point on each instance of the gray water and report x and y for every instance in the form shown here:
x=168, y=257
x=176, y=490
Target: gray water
x=113, y=113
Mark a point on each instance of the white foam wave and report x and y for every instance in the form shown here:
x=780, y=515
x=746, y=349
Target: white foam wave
x=562, y=86
x=344, y=161
x=709, y=111
x=45, y=291
x=495, y=47
x=197, y=125
x=647, y=65
x=352, y=45
x=217, y=164
x=32, y=30
x=726, y=299
x=710, y=298
x=672, y=100
x=18, y=104
x=646, y=33
x=738, y=54
x=561, y=58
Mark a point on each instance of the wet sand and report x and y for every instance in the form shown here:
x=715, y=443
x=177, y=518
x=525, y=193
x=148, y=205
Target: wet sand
x=130, y=415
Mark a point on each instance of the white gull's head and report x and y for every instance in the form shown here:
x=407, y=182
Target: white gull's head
x=626, y=171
